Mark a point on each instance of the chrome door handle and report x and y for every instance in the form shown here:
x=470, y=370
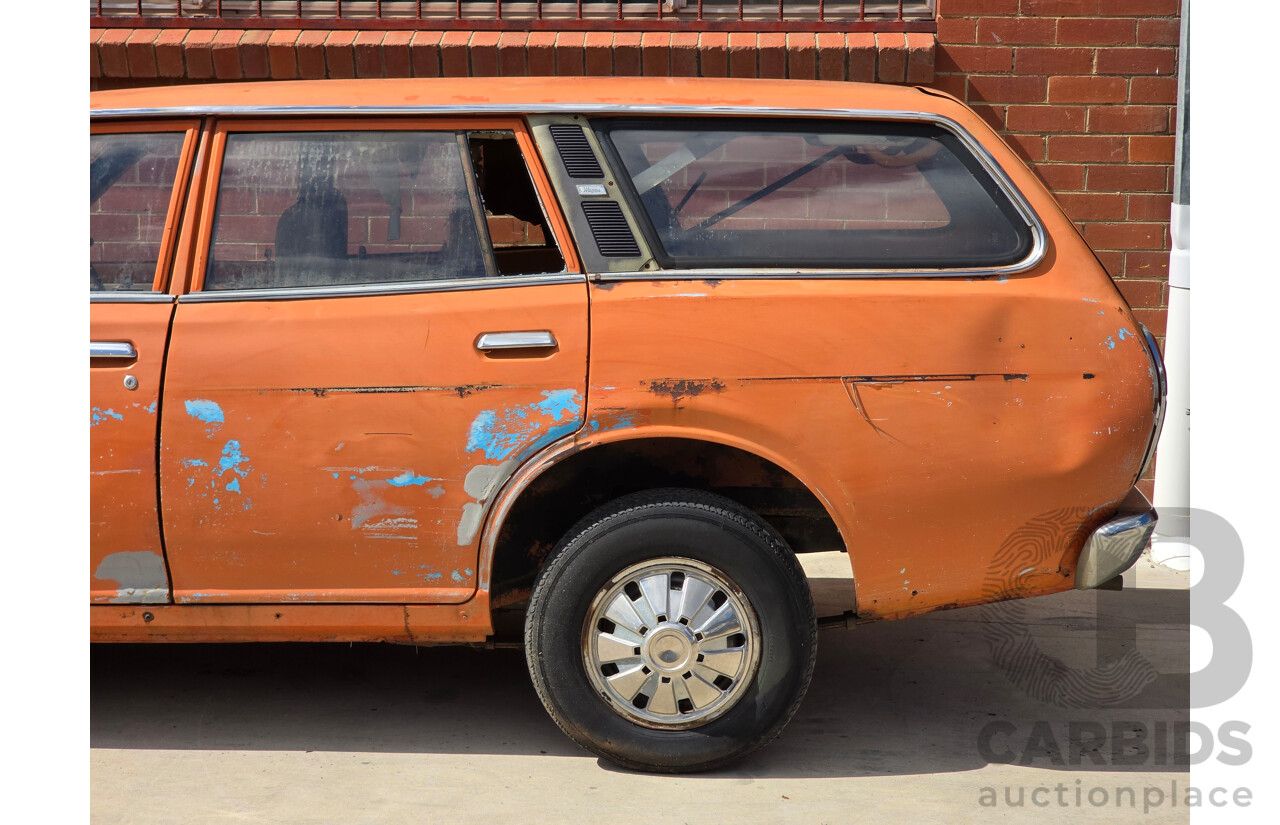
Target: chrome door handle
x=112, y=349
x=489, y=341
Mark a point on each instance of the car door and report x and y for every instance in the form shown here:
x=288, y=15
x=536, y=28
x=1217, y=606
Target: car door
x=137, y=176
x=358, y=366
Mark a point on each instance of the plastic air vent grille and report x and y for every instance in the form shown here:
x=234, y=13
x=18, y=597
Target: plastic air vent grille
x=609, y=228
x=579, y=161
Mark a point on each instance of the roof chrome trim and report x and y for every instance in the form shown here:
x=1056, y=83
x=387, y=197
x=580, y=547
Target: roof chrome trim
x=131, y=298
x=508, y=109
x=1039, y=243
x=369, y=290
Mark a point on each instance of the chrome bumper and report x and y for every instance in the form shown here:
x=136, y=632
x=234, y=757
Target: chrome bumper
x=1116, y=545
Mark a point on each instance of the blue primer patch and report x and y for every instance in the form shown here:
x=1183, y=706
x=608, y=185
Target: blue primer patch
x=622, y=421
x=1089, y=300
x=431, y=575
x=207, y=411
x=233, y=460
x=97, y=415
x=559, y=403
x=456, y=576
x=407, y=478
x=194, y=462
x=151, y=408
x=1111, y=344
x=1123, y=332
x=335, y=475
x=234, y=485
x=525, y=427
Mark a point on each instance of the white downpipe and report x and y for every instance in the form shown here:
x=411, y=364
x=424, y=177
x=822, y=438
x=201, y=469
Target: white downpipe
x=1171, y=545
x=1173, y=454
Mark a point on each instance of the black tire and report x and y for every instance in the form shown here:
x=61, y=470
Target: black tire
x=728, y=540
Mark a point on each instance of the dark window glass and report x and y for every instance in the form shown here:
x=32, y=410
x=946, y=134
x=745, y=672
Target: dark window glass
x=745, y=194
x=334, y=208
x=131, y=180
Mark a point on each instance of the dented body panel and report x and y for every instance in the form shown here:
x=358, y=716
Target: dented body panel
x=933, y=422
x=358, y=429
x=962, y=430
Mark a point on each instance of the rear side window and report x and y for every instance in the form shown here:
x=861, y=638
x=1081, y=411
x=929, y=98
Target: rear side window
x=131, y=178
x=731, y=193
x=335, y=208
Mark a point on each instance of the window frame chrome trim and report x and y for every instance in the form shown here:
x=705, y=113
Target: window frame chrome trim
x=131, y=298
x=1035, y=256
x=369, y=290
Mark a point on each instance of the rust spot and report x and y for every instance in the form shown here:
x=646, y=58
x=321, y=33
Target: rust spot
x=511, y=597
x=1088, y=376
x=684, y=387
x=713, y=282
x=463, y=390
x=539, y=551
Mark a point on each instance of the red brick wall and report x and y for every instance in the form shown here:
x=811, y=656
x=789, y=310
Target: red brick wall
x=136, y=57
x=1084, y=90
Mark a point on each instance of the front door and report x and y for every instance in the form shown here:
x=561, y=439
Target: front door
x=363, y=360
x=137, y=173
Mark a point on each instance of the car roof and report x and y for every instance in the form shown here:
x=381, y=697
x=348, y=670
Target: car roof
x=520, y=94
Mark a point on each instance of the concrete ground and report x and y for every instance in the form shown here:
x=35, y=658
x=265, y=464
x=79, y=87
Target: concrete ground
x=905, y=721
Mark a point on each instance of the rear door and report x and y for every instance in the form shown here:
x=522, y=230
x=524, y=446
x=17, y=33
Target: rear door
x=381, y=328
x=137, y=174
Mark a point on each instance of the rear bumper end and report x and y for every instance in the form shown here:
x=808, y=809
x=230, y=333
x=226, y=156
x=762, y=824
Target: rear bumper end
x=1115, y=546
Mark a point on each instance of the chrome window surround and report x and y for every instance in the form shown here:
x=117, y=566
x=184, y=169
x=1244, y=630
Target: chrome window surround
x=1039, y=238
x=364, y=290
x=130, y=298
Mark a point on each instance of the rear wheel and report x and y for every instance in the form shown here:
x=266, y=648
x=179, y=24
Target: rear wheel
x=671, y=630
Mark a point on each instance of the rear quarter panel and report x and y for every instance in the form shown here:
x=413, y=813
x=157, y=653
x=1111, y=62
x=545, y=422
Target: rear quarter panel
x=965, y=434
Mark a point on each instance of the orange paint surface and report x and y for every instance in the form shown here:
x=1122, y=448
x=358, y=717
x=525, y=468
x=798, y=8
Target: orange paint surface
x=360, y=453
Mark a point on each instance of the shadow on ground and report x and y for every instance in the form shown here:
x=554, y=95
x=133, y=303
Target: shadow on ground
x=917, y=696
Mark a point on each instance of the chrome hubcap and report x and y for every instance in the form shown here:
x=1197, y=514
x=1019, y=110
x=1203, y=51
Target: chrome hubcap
x=670, y=643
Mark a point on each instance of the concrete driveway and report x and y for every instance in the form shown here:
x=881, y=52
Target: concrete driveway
x=905, y=721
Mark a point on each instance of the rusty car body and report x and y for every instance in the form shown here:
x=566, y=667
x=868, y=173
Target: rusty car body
x=373, y=360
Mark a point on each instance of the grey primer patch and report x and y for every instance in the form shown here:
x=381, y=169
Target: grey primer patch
x=469, y=524
x=139, y=576
x=483, y=479
x=480, y=483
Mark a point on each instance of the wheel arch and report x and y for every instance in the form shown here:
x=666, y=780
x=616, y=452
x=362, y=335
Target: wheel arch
x=545, y=497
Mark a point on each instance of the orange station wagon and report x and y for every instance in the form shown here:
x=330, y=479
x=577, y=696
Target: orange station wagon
x=383, y=360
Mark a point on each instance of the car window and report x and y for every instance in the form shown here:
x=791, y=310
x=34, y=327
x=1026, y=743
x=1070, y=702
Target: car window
x=514, y=217
x=750, y=194
x=131, y=179
x=300, y=209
